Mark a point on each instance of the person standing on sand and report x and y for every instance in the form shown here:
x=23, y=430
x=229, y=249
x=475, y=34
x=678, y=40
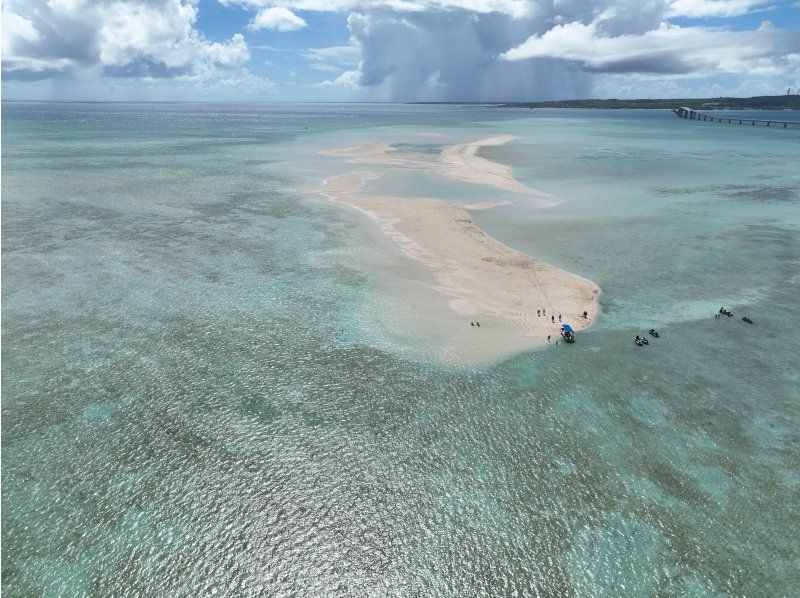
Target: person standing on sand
x=553, y=319
x=548, y=338
x=543, y=312
x=538, y=312
x=559, y=317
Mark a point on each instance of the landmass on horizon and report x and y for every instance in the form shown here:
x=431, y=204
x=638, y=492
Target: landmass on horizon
x=781, y=102
x=789, y=101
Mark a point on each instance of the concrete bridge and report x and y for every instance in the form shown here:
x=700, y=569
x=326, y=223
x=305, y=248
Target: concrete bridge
x=692, y=114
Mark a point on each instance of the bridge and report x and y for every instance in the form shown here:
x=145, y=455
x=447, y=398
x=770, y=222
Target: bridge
x=692, y=114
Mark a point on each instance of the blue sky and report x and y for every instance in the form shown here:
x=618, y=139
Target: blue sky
x=397, y=50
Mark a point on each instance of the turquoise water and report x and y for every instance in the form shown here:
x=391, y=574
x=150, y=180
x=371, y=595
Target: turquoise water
x=193, y=404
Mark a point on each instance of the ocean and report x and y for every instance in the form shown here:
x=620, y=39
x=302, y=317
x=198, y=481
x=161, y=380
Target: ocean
x=213, y=382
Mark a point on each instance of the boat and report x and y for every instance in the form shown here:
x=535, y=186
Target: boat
x=748, y=320
x=653, y=333
x=640, y=340
x=567, y=333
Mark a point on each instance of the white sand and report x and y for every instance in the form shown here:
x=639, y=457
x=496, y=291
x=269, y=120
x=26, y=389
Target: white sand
x=481, y=279
x=459, y=162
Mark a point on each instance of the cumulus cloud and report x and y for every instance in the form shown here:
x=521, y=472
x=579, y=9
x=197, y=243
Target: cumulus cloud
x=347, y=80
x=669, y=49
x=134, y=38
x=276, y=18
x=18, y=29
x=516, y=8
x=446, y=50
x=452, y=55
x=479, y=50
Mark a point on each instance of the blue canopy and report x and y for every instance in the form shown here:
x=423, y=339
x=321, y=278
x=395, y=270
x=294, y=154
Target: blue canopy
x=567, y=328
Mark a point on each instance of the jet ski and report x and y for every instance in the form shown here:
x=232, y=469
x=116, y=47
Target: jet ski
x=653, y=332
x=639, y=340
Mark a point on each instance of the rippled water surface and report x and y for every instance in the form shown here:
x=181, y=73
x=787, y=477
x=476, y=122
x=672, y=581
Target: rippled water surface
x=193, y=402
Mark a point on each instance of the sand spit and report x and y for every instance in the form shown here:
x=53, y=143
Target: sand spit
x=482, y=279
x=459, y=162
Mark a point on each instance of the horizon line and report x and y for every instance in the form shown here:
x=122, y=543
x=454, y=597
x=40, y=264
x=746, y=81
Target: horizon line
x=403, y=102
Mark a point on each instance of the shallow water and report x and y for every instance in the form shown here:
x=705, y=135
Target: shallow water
x=194, y=402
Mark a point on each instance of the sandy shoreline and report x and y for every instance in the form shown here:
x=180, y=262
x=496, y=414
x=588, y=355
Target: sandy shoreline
x=480, y=278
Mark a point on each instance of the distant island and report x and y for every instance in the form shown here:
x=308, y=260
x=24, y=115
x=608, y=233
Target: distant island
x=782, y=102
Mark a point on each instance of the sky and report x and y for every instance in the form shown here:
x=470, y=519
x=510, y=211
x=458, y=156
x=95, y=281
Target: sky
x=397, y=50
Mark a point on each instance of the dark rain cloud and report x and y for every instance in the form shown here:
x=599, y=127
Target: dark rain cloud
x=453, y=55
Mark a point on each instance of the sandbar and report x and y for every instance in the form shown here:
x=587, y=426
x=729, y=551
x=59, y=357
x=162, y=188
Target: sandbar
x=459, y=162
x=479, y=278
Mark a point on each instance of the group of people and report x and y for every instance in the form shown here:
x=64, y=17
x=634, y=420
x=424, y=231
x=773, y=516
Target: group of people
x=541, y=312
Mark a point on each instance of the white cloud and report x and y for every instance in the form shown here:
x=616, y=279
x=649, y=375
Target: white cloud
x=17, y=33
x=667, y=50
x=276, y=18
x=333, y=59
x=128, y=29
x=135, y=38
x=348, y=79
x=515, y=8
x=410, y=49
x=17, y=27
x=713, y=8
